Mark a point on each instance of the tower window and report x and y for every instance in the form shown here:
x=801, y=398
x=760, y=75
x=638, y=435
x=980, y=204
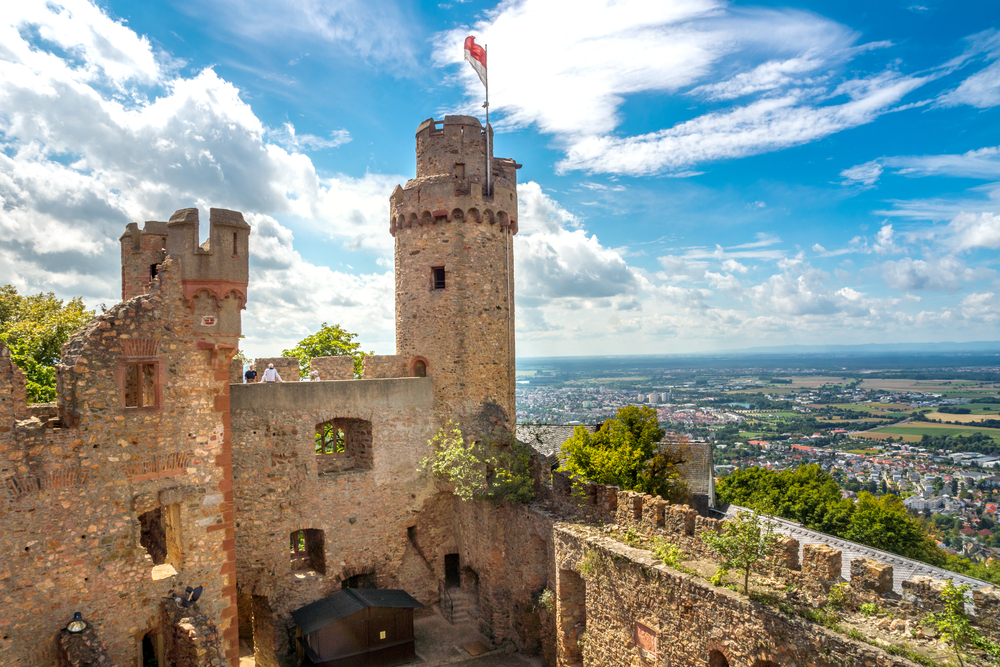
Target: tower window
x=460, y=170
x=234, y=245
x=152, y=271
x=437, y=277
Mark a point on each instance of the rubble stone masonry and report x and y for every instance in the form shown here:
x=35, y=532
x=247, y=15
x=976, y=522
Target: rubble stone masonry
x=127, y=483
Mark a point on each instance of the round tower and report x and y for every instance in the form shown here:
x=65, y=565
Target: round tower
x=455, y=272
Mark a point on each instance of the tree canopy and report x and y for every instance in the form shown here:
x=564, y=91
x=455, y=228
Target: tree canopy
x=625, y=452
x=329, y=341
x=34, y=328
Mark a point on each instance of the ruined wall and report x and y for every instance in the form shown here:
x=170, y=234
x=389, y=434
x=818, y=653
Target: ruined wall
x=443, y=219
x=378, y=366
x=132, y=464
x=635, y=611
x=142, y=252
x=509, y=548
x=381, y=516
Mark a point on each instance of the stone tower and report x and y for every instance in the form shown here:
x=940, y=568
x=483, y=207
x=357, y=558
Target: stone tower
x=454, y=272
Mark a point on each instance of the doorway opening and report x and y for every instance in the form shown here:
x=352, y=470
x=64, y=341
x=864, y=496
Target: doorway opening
x=452, y=571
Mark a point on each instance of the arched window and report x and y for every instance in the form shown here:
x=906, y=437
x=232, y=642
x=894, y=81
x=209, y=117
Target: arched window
x=419, y=368
x=717, y=659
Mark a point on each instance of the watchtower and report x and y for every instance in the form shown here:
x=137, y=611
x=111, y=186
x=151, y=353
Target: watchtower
x=455, y=271
x=143, y=250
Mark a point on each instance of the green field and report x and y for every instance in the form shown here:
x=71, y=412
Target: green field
x=916, y=431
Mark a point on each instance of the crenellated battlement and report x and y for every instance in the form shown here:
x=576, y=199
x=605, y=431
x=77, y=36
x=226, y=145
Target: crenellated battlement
x=450, y=185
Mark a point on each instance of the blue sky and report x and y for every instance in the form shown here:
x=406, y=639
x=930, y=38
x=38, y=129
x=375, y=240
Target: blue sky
x=698, y=175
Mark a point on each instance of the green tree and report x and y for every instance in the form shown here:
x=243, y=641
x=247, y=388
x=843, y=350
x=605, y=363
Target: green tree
x=491, y=471
x=625, y=452
x=744, y=541
x=883, y=522
x=329, y=341
x=953, y=623
x=34, y=329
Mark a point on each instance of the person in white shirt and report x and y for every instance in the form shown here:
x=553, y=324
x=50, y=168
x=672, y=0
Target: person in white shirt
x=271, y=375
x=312, y=377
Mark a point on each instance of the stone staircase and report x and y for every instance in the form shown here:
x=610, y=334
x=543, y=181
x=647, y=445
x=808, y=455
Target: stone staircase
x=465, y=607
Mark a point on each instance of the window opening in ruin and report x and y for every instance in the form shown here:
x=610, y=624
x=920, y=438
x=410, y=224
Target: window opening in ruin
x=437, y=277
x=150, y=650
x=363, y=580
x=308, y=551
x=572, y=609
x=140, y=385
x=460, y=170
x=452, y=571
x=419, y=368
x=152, y=271
x=153, y=535
x=329, y=439
x=717, y=659
x=342, y=445
x=159, y=535
x=234, y=244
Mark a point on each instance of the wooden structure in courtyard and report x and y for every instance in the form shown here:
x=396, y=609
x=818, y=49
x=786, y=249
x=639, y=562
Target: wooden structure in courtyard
x=357, y=627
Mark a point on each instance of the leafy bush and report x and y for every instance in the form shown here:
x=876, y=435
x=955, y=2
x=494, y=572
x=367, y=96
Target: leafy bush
x=744, y=541
x=666, y=552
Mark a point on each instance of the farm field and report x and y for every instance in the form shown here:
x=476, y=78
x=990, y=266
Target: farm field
x=934, y=386
x=913, y=433
x=965, y=419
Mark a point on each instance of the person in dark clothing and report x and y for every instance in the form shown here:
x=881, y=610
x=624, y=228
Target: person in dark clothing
x=250, y=375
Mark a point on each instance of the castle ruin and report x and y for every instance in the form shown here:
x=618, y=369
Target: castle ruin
x=157, y=470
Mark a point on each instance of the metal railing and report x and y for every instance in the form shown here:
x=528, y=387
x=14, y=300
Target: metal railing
x=446, y=603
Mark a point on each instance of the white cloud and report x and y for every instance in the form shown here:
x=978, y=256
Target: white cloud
x=945, y=273
x=981, y=89
x=581, y=79
x=554, y=262
x=865, y=174
x=289, y=139
x=732, y=266
x=766, y=125
x=969, y=230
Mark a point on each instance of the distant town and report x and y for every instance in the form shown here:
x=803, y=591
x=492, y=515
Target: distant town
x=928, y=434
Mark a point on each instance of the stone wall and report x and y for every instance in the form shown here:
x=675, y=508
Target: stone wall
x=333, y=368
x=383, y=517
x=637, y=612
x=380, y=366
x=287, y=367
x=74, y=487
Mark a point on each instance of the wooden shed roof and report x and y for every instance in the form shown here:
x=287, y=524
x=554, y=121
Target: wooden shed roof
x=348, y=601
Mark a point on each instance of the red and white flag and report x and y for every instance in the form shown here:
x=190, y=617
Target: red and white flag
x=476, y=55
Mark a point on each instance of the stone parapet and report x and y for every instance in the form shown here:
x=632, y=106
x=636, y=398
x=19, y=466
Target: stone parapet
x=333, y=368
x=987, y=604
x=287, y=367
x=380, y=366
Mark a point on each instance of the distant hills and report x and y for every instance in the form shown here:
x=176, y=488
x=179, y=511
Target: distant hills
x=873, y=348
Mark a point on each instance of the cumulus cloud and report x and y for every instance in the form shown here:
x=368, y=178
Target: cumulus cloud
x=945, y=273
x=559, y=262
x=97, y=130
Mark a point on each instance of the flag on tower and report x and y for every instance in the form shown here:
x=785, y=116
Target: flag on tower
x=476, y=55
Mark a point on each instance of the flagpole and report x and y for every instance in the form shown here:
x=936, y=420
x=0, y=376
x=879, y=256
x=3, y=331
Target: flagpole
x=489, y=175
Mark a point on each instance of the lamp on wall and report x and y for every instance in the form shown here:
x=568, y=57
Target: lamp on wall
x=77, y=624
x=191, y=596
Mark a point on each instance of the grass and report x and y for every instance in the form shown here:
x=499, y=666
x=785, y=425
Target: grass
x=913, y=432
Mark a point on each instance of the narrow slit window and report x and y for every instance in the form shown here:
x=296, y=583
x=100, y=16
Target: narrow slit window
x=139, y=386
x=234, y=244
x=152, y=271
x=437, y=277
